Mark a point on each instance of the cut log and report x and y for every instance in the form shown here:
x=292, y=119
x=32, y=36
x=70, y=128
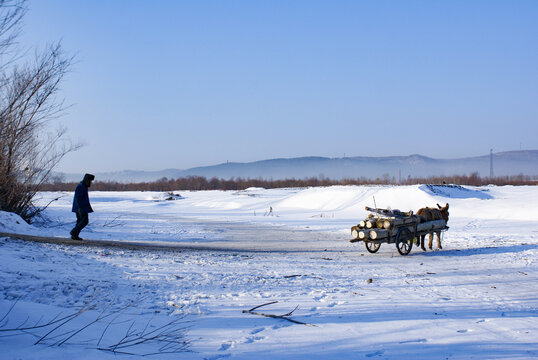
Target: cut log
x=358, y=234
x=391, y=223
x=371, y=224
x=362, y=224
x=379, y=223
x=431, y=225
x=384, y=233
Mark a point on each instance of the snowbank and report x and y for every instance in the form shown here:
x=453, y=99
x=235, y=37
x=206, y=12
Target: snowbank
x=13, y=223
x=456, y=191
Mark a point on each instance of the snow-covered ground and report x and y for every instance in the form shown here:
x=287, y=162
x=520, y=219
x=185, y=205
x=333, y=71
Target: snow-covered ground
x=475, y=299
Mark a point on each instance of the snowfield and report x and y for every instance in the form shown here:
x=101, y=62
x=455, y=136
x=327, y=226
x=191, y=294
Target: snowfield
x=477, y=298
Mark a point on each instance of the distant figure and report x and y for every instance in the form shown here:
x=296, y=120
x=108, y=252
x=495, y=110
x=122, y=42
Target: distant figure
x=81, y=205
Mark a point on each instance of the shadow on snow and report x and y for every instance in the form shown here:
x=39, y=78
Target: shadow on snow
x=489, y=250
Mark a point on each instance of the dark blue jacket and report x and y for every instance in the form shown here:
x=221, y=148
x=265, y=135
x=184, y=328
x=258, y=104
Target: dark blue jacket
x=81, y=201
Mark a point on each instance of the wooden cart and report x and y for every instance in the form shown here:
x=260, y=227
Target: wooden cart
x=393, y=227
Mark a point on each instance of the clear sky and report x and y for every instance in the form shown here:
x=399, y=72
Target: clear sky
x=178, y=84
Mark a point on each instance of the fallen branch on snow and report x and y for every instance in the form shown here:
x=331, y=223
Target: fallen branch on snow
x=283, y=317
x=151, y=339
x=114, y=222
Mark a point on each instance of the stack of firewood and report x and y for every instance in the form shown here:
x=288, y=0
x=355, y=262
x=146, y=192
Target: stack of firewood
x=384, y=223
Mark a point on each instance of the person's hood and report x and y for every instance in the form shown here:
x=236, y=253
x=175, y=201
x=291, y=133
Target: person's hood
x=88, y=178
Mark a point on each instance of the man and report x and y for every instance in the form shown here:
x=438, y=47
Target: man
x=81, y=205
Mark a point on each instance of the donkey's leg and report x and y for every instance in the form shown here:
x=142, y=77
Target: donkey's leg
x=439, y=239
x=430, y=240
x=422, y=238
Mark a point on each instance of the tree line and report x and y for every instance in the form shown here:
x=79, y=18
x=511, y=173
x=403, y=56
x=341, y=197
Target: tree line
x=196, y=183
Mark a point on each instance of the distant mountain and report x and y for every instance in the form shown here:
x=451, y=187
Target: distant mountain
x=504, y=164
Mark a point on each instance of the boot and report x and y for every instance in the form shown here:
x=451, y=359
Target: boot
x=75, y=236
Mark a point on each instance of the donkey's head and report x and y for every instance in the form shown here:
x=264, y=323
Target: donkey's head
x=444, y=212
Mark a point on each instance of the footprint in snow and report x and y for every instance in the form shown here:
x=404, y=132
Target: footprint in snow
x=333, y=304
x=252, y=339
x=320, y=298
x=255, y=331
x=377, y=353
x=276, y=327
x=227, y=345
x=463, y=331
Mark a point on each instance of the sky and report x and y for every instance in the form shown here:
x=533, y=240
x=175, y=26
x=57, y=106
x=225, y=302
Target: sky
x=179, y=84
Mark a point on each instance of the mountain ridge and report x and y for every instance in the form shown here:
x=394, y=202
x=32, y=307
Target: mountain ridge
x=507, y=163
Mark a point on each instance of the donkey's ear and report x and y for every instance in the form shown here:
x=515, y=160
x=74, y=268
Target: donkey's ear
x=446, y=206
x=439, y=206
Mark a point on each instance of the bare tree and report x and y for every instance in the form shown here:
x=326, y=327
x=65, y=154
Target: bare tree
x=29, y=149
x=11, y=13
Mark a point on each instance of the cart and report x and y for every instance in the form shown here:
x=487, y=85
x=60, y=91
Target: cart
x=393, y=227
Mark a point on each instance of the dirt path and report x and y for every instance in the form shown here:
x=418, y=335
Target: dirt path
x=237, y=238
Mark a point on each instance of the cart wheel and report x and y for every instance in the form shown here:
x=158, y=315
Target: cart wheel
x=404, y=241
x=372, y=246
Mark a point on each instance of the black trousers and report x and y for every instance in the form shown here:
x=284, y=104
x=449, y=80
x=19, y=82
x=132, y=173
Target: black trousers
x=82, y=221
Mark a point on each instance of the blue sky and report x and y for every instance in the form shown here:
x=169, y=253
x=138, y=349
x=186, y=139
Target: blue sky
x=178, y=84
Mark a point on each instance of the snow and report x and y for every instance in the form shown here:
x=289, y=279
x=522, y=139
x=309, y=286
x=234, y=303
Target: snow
x=456, y=191
x=12, y=223
x=474, y=299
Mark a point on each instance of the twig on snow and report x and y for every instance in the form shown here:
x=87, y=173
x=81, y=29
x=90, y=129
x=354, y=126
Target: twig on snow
x=114, y=222
x=172, y=335
x=283, y=317
x=169, y=338
x=9, y=311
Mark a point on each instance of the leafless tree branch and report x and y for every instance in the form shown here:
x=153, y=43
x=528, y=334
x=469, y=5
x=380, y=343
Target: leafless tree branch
x=162, y=339
x=283, y=317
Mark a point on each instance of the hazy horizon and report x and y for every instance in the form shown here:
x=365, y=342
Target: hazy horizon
x=512, y=163
x=313, y=156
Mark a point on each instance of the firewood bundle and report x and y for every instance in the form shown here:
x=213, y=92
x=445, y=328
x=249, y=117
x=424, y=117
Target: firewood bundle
x=385, y=223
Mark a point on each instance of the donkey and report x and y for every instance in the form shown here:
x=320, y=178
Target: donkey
x=429, y=214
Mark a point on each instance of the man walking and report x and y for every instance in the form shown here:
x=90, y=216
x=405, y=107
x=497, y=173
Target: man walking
x=81, y=205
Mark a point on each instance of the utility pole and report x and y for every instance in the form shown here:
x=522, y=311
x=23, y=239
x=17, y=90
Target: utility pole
x=491, y=163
